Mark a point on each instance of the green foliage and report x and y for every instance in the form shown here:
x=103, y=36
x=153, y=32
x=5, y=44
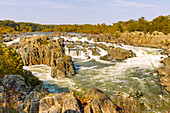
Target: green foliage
x=161, y=24
x=11, y=64
x=30, y=79
x=10, y=61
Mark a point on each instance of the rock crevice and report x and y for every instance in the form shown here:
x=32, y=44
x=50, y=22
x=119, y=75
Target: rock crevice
x=42, y=50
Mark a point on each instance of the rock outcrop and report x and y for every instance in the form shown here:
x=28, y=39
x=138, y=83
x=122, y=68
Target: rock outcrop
x=98, y=102
x=165, y=72
x=118, y=54
x=42, y=50
x=17, y=96
x=102, y=46
x=59, y=103
x=15, y=93
x=156, y=39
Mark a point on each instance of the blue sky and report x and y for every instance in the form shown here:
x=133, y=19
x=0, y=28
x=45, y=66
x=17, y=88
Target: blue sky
x=81, y=11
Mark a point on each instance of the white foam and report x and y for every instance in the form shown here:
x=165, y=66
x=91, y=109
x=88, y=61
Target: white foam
x=13, y=41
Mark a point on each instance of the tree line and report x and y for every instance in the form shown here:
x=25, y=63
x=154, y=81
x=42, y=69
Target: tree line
x=160, y=23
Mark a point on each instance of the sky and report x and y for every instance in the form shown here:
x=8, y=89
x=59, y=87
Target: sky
x=81, y=11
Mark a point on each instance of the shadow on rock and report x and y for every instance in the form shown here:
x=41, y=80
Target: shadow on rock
x=71, y=111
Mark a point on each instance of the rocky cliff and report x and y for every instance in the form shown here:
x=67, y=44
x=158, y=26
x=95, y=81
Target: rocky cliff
x=96, y=102
x=165, y=72
x=16, y=96
x=156, y=39
x=42, y=50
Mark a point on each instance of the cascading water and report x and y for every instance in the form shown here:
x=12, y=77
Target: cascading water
x=134, y=74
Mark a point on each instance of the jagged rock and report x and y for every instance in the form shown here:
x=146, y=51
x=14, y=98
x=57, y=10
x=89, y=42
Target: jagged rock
x=95, y=51
x=98, y=102
x=135, y=39
x=42, y=50
x=31, y=103
x=84, y=50
x=86, y=42
x=16, y=45
x=70, y=103
x=60, y=103
x=165, y=72
x=118, y=54
x=85, y=45
x=16, y=83
x=78, y=42
x=8, y=39
x=32, y=100
x=16, y=93
x=106, y=57
x=14, y=86
x=102, y=46
x=70, y=46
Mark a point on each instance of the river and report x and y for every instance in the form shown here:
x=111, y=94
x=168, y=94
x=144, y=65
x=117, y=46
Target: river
x=128, y=76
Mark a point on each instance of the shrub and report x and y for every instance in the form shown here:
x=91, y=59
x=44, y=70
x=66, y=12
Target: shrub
x=12, y=64
x=10, y=61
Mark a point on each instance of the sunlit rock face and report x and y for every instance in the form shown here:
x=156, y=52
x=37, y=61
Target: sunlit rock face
x=165, y=72
x=42, y=50
x=118, y=53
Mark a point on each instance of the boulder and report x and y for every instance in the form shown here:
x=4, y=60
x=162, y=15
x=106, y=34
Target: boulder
x=59, y=103
x=106, y=57
x=118, y=54
x=98, y=102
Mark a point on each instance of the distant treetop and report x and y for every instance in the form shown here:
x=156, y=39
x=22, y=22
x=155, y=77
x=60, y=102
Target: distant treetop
x=160, y=23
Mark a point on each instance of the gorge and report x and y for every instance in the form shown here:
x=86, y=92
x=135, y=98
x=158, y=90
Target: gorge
x=97, y=62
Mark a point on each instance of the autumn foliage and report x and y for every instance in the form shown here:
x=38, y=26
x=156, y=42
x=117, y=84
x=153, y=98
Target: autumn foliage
x=10, y=61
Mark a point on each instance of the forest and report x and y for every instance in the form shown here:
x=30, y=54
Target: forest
x=160, y=23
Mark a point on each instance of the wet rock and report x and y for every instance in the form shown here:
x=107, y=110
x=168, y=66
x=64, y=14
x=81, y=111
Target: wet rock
x=70, y=46
x=118, y=54
x=8, y=39
x=95, y=51
x=86, y=42
x=84, y=50
x=78, y=43
x=102, y=46
x=106, y=57
x=88, y=57
x=85, y=45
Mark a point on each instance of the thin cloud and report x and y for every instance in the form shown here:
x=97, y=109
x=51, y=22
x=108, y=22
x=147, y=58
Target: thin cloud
x=130, y=4
x=45, y=4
